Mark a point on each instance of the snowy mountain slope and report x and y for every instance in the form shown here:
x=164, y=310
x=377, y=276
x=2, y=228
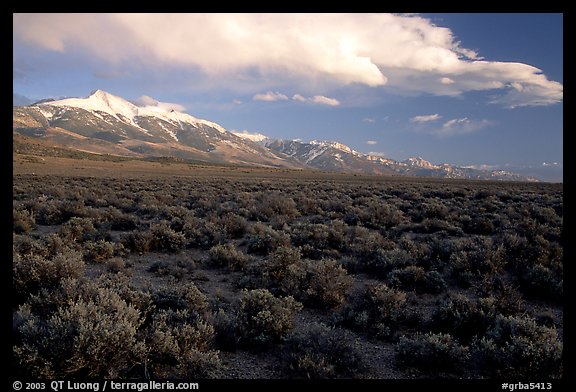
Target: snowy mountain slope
x=107, y=124
x=129, y=129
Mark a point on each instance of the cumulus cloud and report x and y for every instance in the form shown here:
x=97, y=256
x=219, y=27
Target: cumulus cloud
x=425, y=118
x=371, y=142
x=270, y=97
x=463, y=125
x=322, y=100
x=152, y=104
x=318, y=99
x=402, y=53
x=253, y=136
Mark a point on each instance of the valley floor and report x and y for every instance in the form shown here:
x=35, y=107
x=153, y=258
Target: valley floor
x=254, y=273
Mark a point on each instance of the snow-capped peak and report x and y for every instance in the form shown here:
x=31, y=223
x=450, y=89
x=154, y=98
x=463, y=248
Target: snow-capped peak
x=419, y=162
x=120, y=108
x=101, y=101
x=336, y=145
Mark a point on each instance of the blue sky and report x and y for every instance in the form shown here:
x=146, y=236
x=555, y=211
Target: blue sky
x=467, y=89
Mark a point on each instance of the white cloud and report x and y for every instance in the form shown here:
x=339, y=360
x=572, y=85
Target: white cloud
x=299, y=98
x=402, y=53
x=237, y=102
x=270, y=97
x=318, y=99
x=322, y=100
x=371, y=142
x=155, y=105
x=377, y=154
x=425, y=118
x=369, y=120
x=459, y=126
x=253, y=136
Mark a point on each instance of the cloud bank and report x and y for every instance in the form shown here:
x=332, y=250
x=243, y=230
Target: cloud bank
x=270, y=97
x=400, y=53
x=155, y=105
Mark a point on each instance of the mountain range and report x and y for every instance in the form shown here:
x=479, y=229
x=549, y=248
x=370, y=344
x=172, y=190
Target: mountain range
x=103, y=123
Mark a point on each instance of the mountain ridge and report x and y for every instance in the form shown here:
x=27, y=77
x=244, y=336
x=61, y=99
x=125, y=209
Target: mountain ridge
x=109, y=124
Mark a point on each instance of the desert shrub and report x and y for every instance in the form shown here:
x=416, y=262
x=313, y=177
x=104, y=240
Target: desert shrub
x=115, y=264
x=272, y=204
x=93, y=335
x=181, y=297
x=519, y=348
x=128, y=291
x=376, y=311
x=121, y=221
x=326, y=284
x=164, y=239
x=541, y=282
x=49, y=214
x=364, y=243
x=77, y=230
x=98, y=251
x=202, y=233
x=432, y=352
x=321, y=284
x=177, y=269
x=180, y=345
x=414, y=278
x=463, y=317
x=226, y=332
x=505, y=295
x=263, y=319
x=22, y=221
x=227, y=255
x=480, y=224
x=264, y=240
x=322, y=352
x=31, y=273
x=314, y=239
x=235, y=225
x=137, y=241
x=476, y=261
x=382, y=261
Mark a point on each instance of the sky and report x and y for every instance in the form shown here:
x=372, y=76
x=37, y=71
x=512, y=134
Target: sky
x=479, y=90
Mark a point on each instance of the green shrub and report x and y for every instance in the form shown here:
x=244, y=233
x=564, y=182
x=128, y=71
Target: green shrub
x=517, y=347
x=463, y=317
x=77, y=230
x=235, y=225
x=180, y=345
x=432, y=353
x=164, y=239
x=93, y=335
x=181, y=297
x=31, y=273
x=228, y=256
x=326, y=284
x=263, y=319
x=137, y=241
x=98, y=251
x=202, y=233
x=22, y=221
x=323, y=352
x=265, y=240
x=376, y=311
x=542, y=282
